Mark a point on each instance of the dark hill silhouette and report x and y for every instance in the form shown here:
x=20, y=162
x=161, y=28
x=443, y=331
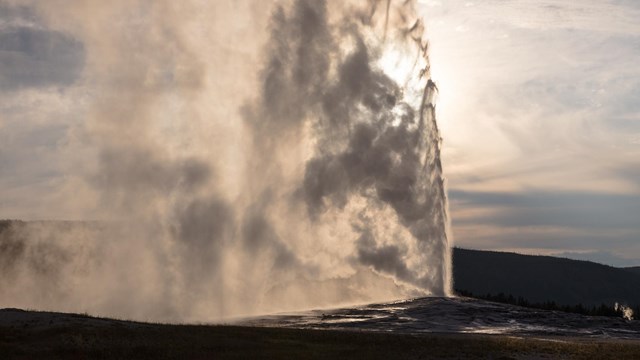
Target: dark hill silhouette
x=633, y=269
x=540, y=279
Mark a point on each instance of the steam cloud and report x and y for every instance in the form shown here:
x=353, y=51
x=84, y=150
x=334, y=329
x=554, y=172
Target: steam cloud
x=237, y=173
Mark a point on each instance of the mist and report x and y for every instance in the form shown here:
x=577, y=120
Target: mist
x=239, y=158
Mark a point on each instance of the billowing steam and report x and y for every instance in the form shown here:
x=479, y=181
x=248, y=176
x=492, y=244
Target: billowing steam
x=237, y=173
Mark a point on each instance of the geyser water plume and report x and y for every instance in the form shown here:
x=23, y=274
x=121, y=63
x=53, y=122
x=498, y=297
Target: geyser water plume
x=315, y=181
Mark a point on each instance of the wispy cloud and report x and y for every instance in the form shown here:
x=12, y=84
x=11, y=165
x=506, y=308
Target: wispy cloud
x=582, y=210
x=540, y=121
x=33, y=56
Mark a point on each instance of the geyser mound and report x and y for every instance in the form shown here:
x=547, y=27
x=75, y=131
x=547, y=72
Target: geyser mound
x=323, y=187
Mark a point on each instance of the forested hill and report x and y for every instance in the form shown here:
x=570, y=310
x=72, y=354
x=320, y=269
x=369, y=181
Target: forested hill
x=540, y=279
x=633, y=269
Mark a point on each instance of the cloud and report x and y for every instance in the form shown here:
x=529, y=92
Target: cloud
x=562, y=209
x=35, y=151
x=538, y=110
x=33, y=56
x=629, y=172
x=564, y=82
x=40, y=72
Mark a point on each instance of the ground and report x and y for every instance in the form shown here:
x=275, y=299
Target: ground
x=28, y=335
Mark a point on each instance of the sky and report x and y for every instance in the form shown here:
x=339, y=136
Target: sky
x=540, y=118
x=538, y=108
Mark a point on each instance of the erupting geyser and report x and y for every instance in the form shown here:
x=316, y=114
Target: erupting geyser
x=317, y=183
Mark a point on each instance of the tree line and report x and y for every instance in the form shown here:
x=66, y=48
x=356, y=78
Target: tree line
x=603, y=310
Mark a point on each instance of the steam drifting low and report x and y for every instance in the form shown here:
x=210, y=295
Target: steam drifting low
x=236, y=171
